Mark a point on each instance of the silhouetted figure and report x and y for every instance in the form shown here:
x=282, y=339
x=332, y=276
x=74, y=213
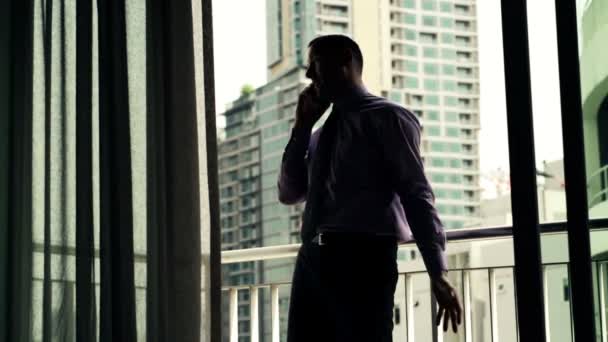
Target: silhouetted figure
x=363, y=181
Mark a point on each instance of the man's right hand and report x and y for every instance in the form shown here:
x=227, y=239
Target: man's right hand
x=310, y=107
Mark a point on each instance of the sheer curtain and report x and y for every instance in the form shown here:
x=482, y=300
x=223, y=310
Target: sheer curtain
x=108, y=197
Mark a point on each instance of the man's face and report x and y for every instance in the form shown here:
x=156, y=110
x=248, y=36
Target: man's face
x=326, y=74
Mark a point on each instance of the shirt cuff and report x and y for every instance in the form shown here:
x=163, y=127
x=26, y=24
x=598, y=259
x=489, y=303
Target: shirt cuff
x=435, y=262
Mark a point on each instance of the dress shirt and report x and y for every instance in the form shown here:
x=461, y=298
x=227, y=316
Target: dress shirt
x=376, y=175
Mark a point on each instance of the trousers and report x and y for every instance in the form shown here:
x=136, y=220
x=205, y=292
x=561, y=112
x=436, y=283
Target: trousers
x=343, y=291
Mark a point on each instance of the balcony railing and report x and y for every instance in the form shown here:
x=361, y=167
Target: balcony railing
x=601, y=176
x=486, y=288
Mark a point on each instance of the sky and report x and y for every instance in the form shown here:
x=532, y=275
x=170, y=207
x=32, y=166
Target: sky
x=240, y=58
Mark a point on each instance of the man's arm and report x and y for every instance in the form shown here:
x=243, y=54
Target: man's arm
x=293, y=176
x=400, y=138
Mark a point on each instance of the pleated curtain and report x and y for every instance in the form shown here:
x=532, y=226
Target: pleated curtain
x=108, y=194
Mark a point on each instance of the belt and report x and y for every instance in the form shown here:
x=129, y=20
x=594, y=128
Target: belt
x=326, y=238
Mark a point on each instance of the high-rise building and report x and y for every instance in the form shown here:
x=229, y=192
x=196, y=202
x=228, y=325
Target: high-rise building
x=420, y=53
x=594, y=91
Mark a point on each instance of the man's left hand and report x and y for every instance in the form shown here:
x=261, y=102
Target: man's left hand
x=449, y=304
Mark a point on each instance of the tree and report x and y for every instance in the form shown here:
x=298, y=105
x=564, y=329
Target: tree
x=247, y=89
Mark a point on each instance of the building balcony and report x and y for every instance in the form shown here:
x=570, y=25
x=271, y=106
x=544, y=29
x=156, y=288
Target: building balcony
x=481, y=268
x=597, y=186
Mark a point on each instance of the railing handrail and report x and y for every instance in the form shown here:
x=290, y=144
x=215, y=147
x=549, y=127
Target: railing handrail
x=597, y=172
x=465, y=234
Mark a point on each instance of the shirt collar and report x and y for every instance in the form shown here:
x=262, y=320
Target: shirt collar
x=350, y=96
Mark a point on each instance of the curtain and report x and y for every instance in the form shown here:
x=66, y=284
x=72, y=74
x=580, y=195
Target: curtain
x=108, y=204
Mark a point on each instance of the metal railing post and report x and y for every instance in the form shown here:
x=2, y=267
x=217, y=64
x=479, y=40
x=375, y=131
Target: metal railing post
x=254, y=314
x=274, y=302
x=409, y=307
x=466, y=284
x=234, y=315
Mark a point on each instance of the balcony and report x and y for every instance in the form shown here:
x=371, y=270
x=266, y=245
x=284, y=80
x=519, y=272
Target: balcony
x=481, y=268
x=597, y=186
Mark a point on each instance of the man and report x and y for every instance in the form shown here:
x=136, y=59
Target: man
x=364, y=184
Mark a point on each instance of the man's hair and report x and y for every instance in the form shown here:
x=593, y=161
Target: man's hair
x=332, y=44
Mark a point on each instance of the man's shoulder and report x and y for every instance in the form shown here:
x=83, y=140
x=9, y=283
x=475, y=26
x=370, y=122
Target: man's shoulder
x=384, y=110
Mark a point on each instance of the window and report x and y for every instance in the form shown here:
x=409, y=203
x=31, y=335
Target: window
x=451, y=117
x=452, y=132
x=448, y=69
x=411, y=82
x=417, y=99
x=464, y=103
x=429, y=5
x=462, y=40
x=397, y=82
x=448, y=53
x=268, y=117
x=447, y=38
x=450, y=101
x=410, y=34
x=449, y=85
x=411, y=50
x=431, y=100
x=409, y=3
x=457, y=210
x=455, y=194
x=447, y=22
x=465, y=87
x=445, y=6
x=268, y=101
x=461, y=9
x=409, y=19
x=437, y=162
x=275, y=145
x=437, y=178
x=432, y=115
x=455, y=163
x=463, y=55
x=462, y=24
x=431, y=84
x=437, y=146
x=395, y=96
x=411, y=66
x=430, y=52
x=457, y=179
x=462, y=71
x=433, y=131
x=428, y=37
x=430, y=69
x=455, y=148
x=429, y=21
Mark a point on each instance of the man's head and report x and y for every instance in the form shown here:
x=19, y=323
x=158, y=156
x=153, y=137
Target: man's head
x=334, y=62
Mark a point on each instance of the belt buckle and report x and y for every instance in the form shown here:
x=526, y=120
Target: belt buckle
x=321, y=239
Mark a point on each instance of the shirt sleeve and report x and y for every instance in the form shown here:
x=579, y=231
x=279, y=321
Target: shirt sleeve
x=400, y=141
x=293, y=176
